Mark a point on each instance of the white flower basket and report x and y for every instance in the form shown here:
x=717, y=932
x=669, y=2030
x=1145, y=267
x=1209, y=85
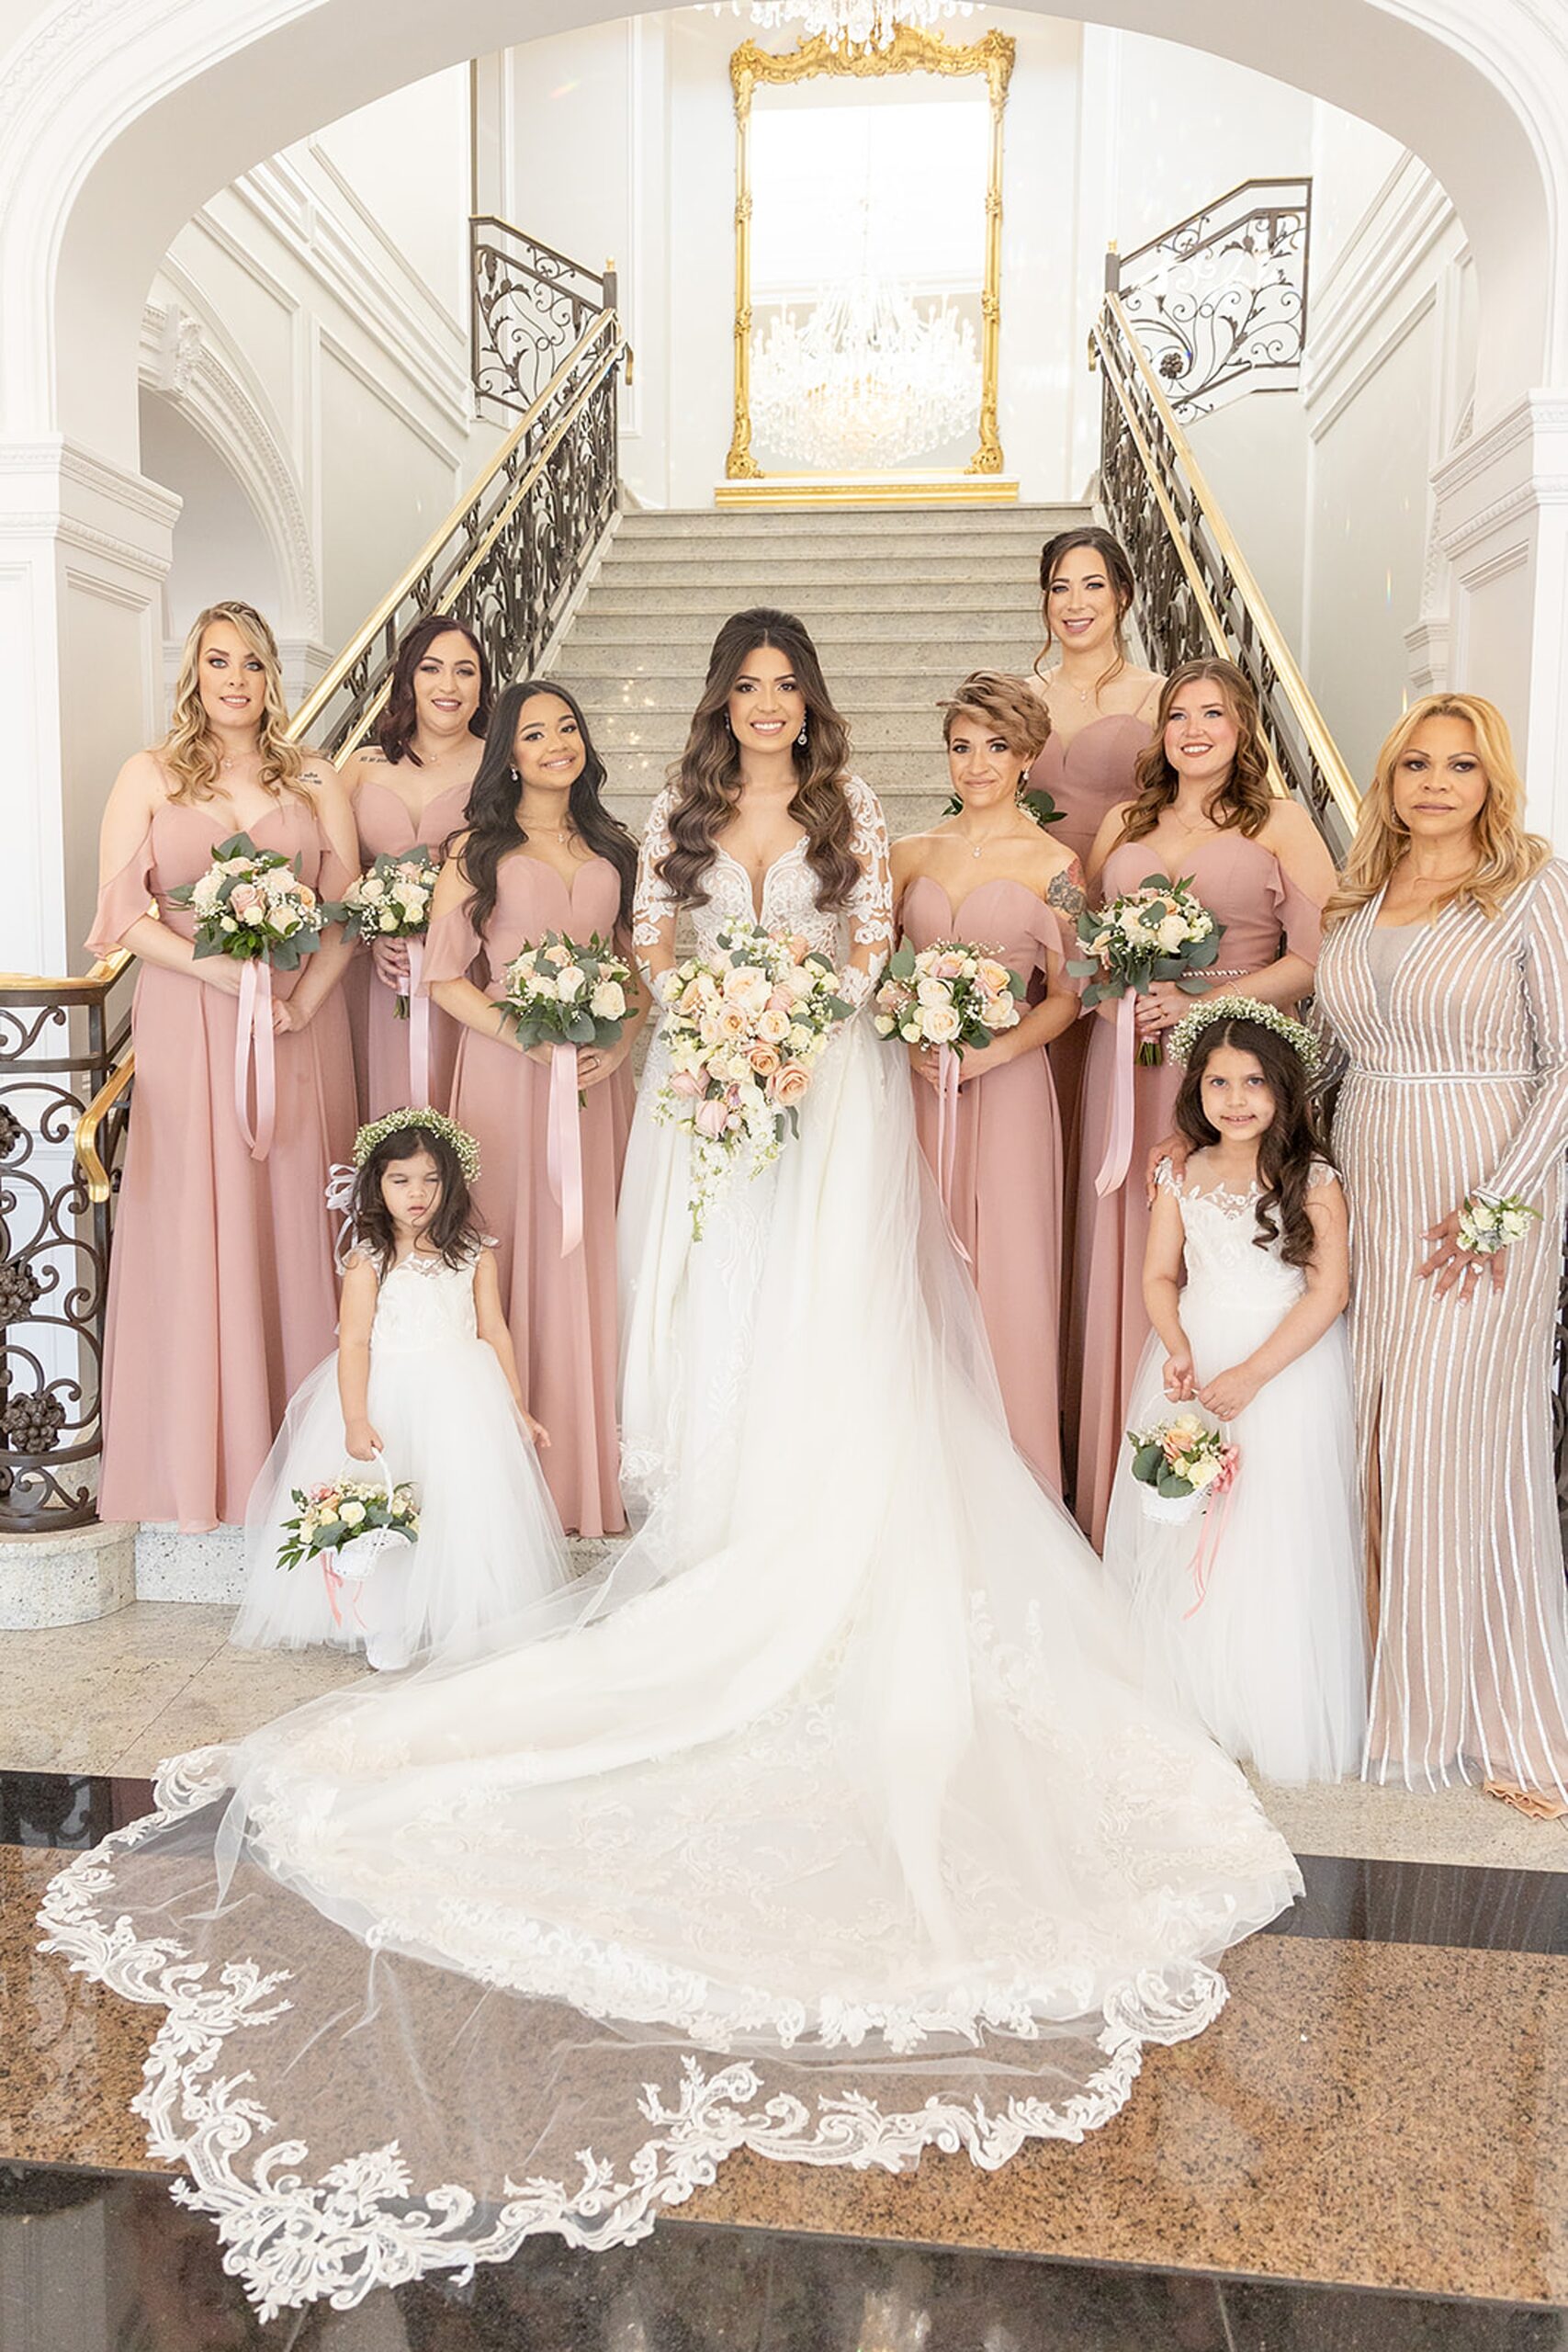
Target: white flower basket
x=1175, y=1511
x=364, y=1554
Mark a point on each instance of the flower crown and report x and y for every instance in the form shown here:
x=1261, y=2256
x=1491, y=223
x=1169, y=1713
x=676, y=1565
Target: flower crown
x=1181, y=1041
x=461, y=1141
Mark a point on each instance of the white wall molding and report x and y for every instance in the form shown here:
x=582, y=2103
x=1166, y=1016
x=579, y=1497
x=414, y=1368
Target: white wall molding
x=1379, y=291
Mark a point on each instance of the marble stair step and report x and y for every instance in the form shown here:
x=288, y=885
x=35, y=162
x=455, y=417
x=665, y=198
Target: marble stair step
x=813, y=600
x=922, y=636
x=829, y=524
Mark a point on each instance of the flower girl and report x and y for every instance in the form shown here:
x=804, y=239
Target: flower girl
x=1251, y=1615
x=423, y=1388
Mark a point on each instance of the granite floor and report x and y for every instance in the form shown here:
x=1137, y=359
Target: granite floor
x=1368, y=2149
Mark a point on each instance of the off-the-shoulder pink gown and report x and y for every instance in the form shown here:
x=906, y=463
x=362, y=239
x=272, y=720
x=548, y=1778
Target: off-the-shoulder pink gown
x=1006, y=1194
x=1244, y=887
x=223, y=1292
x=562, y=1311
x=380, y=1039
x=1087, y=777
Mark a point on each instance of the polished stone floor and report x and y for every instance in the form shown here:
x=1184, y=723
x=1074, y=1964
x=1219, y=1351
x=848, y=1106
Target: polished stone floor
x=1368, y=2149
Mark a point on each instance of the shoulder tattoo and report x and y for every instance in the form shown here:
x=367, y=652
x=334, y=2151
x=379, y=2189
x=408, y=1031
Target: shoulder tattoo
x=1065, y=892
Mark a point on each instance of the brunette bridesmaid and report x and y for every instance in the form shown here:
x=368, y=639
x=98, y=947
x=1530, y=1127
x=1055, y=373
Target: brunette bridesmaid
x=542, y=853
x=1101, y=708
x=1202, y=808
x=992, y=877
x=408, y=789
x=223, y=1292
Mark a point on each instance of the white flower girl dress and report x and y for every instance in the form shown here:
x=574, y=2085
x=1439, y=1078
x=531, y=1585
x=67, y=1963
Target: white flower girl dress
x=489, y=1542
x=1273, y=1657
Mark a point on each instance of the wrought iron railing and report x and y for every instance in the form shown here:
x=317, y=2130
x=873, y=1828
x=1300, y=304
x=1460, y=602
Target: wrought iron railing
x=1197, y=593
x=59, y=1042
x=1219, y=303
x=529, y=307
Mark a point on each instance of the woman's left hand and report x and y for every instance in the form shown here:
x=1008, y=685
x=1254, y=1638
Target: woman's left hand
x=1467, y=1267
x=1164, y=1005
x=288, y=1020
x=1230, y=1393
x=977, y=1060
x=596, y=1063
x=926, y=1063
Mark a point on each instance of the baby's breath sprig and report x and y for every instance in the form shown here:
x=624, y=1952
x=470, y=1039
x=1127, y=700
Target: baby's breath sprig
x=461, y=1141
x=1187, y=1032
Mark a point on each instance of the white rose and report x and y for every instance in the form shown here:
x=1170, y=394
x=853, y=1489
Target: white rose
x=1514, y=1224
x=883, y=1024
x=373, y=888
x=353, y=1513
x=942, y=1023
x=228, y=923
x=1172, y=934
x=933, y=992
x=540, y=984
x=910, y=1032
x=797, y=981
x=799, y=1036
x=571, y=982
x=411, y=899
x=386, y=920
x=608, y=1001
x=1198, y=1473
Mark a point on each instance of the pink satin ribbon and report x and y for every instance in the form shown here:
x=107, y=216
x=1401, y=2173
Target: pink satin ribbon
x=419, y=1032
x=1119, y=1150
x=1221, y=1491
x=563, y=1151
x=947, y=1137
x=252, y=1037
x=335, y=1584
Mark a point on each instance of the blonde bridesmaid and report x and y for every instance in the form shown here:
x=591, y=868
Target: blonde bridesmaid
x=1444, y=981
x=993, y=878
x=408, y=789
x=1204, y=809
x=1100, y=704
x=222, y=1291
x=541, y=853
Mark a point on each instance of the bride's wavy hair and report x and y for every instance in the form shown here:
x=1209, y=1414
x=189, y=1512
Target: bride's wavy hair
x=707, y=782
x=1288, y=1146
x=453, y=1230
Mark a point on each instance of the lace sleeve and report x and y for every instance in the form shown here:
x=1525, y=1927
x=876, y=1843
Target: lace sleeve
x=869, y=908
x=653, y=907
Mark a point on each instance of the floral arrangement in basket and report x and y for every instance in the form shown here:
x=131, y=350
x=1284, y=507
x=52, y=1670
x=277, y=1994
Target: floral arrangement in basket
x=390, y=900
x=251, y=903
x=561, y=992
x=1180, y=1463
x=1161, y=930
x=950, y=994
x=744, y=1024
x=334, y=1519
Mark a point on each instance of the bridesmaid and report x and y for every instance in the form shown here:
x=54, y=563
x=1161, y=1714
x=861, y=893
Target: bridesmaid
x=1101, y=708
x=409, y=789
x=1444, y=980
x=1204, y=809
x=542, y=853
x=223, y=1292
x=992, y=876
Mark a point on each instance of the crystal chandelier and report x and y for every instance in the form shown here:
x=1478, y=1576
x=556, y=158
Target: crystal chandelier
x=848, y=24
x=868, y=381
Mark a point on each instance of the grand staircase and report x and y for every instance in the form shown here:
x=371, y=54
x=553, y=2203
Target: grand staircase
x=901, y=602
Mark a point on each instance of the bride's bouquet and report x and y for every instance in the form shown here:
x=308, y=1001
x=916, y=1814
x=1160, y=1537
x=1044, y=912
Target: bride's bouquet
x=251, y=903
x=950, y=994
x=1161, y=930
x=561, y=992
x=1179, y=1465
x=744, y=1024
x=390, y=900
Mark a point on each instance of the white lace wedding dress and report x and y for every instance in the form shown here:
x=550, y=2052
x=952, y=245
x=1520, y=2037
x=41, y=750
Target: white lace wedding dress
x=832, y=1826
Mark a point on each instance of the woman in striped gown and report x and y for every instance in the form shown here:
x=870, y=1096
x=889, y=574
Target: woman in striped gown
x=1444, y=977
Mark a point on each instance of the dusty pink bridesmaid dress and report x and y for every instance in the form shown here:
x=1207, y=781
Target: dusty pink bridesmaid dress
x=562, y=1310
x=1006, y=1194
x=380, y=1039
x=223, y=1292
x=1086, y=778
x=1244, y=886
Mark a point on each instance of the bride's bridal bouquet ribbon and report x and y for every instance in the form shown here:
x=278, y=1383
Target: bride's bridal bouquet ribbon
x=956, y=998
x=348, y=1525
x=251, y=904
x=1184, y=1466
x=391, y=900
x=564, y=993
x=744, y=1024
x=1161, y=930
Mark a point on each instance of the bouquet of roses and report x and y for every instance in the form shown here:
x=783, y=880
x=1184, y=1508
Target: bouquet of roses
x=1158, y=932
x=390, y=900
x=744, y=1025
x=251, y=903
x=1180, y=1463
x=950, y=994
x=564, y=993
x=332, y=1518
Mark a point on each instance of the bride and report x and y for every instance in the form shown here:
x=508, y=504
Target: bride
x=829, y=1823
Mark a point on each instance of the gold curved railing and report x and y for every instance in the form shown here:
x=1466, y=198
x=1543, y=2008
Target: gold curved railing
x=1198, y=593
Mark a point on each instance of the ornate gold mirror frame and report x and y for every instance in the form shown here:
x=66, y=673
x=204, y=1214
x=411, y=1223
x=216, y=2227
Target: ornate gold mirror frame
x=909, y=53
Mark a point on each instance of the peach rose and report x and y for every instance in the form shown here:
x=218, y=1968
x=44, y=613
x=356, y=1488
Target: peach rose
x=993, y=976
x=773, y=1027
x=789, y=1085
x=763, y=1060
x=245, y=901
x=947, y=967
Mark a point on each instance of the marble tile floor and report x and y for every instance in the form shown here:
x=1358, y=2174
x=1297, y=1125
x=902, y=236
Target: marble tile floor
x=122, y=1693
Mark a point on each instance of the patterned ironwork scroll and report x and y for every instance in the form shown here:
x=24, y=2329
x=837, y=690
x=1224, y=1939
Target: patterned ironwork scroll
x=530, y=305
x=1219, y=303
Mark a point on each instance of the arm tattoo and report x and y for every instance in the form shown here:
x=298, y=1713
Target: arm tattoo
x=1066, y=892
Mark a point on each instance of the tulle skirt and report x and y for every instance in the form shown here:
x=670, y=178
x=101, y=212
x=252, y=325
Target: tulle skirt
x=831, y=1823
x=1272, y=1658
x=489, y=1542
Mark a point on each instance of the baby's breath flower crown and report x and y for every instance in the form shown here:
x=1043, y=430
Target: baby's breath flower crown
x=461, y=1141
x=1186, y=1034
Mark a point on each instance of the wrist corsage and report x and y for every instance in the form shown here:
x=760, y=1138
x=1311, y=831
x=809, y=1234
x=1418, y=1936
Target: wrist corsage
x=1485, y=1226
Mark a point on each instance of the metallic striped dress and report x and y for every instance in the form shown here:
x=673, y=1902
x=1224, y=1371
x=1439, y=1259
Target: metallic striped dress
x=1454, y=1037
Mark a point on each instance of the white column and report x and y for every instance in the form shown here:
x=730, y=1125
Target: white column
x=84, y=546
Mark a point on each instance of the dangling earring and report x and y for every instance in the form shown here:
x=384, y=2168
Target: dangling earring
x=515, y=777
x=801, y=736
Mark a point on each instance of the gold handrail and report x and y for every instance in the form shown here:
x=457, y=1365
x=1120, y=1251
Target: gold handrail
x=103, y=975
x=1324, y=751
x=317, y=700
x=100, y=1183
